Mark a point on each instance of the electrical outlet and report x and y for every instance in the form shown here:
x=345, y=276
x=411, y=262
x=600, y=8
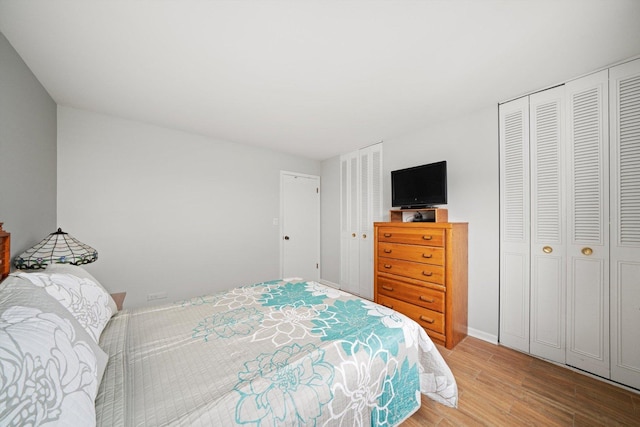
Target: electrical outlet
x=157, y=295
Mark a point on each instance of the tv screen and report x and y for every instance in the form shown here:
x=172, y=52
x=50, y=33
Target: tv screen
x=419, y=186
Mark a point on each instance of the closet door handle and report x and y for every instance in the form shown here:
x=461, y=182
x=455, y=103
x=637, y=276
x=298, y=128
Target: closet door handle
x=427, y=273
x=387, y=288
x=427, y=319
x=427, y=237
x=364, y=236
x=547, y=249
x=586, y=251
x=353, y=234
x=426, y=299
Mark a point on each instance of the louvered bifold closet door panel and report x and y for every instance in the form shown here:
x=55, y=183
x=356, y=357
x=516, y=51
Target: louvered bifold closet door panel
x=353, y=264
x=348, y=221
x=548, y=241
x=344, y=217
x=514, y=224
x=365, y=243
x=588, y=220
x=370, y=203
x=624, y=82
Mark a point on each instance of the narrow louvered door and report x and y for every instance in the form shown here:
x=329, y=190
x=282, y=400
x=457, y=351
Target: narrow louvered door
x=548, y=241
x=360, y=207
x=624, y=103
x=349, y=260
x=514, y=224
x=370, y=210
x=588, y=219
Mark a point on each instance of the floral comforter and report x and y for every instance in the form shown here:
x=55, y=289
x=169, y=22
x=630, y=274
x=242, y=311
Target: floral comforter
x=284, y=352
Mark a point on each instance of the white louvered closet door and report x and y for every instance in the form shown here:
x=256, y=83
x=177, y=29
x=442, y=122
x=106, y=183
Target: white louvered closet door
x=360, y=206
x=588, y=218
x=624, y=107
x=548, y=241
x=370, y=202
x=349, y=265
x=514, y=224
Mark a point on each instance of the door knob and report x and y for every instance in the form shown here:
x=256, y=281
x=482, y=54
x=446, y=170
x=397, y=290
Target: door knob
x=353, y=234
x=547, y=249
x=286, y=237
x=364, y=236
x=586, y=251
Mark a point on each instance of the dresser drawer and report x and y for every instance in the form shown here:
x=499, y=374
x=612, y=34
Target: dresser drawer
x=426, y=318
x=418, y=295
x=415, y=270
x=425, y=254
x=413, y=236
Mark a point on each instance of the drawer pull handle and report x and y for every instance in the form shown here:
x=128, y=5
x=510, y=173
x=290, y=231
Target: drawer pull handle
x=427, y=255
x=387, y=266
x=427, y=319
x=387, y=234
x=427, y=273
x=427, y=237
x=387, y=251
x=387, y=288
x=388, y=306
x=426, y=299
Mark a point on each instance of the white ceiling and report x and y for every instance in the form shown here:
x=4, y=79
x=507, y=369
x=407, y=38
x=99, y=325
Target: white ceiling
x=313, y=78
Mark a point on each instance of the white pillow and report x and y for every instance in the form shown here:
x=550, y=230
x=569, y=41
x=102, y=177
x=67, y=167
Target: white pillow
x=80, y=272
x=51, y=367
x=85, y=300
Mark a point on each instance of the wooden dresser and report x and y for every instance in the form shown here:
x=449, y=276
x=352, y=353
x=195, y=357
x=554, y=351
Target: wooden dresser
x=420, y=270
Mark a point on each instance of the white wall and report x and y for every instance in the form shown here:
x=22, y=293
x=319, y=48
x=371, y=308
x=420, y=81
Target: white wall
x=469, y=144
x=169, y=211
x=27, y=153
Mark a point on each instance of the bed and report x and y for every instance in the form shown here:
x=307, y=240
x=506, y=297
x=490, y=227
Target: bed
x=281, y=352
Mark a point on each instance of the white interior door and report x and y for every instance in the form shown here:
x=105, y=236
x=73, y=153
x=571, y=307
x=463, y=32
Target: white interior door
x=300, y=225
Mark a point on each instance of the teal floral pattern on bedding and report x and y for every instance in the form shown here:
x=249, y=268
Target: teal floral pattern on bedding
x=335, y=359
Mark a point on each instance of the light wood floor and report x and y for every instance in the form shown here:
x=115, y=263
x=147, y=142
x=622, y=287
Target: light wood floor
x=502, y=387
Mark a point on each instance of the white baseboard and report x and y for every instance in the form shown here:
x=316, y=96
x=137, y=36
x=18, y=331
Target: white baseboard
x=328, y=283
x=481, y=335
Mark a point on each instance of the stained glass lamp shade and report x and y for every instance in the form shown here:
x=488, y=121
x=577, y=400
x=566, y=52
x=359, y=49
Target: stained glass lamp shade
x=57, y=248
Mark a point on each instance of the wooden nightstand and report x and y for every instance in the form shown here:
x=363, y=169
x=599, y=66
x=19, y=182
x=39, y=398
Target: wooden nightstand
x=118, y=297
x=5, y=253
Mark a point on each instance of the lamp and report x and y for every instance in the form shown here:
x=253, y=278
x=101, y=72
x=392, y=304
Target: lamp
x=58, y=248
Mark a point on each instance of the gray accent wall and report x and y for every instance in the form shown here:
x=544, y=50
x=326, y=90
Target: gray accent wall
x=27, y=153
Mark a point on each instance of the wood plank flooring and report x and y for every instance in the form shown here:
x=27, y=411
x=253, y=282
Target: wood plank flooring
x=501, y=387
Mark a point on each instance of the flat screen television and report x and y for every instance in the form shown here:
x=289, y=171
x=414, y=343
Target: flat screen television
x=419, y=186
